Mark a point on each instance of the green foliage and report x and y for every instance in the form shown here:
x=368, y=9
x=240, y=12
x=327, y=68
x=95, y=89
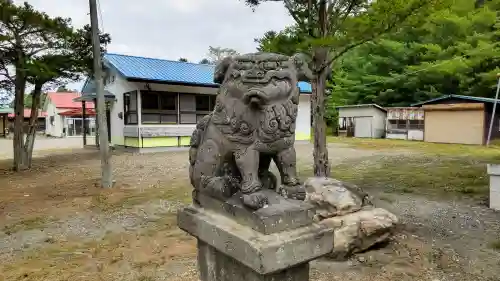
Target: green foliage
x=286, y=42
x=453, y=50
x=205, y=61
x=327, y=29
x=38, y=50
x=183, y=60
x=42, y=49
x=450, y=48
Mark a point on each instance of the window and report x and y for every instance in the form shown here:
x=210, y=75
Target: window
x=195, y=107
x=202, y=103
x=398, y=124
x=416, y=124
x=168, y=101
x=130, y=108
x=158, y=107
x=345, y=123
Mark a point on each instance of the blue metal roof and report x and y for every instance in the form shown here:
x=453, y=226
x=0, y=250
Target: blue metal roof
x=479, y=99
x=161, y=70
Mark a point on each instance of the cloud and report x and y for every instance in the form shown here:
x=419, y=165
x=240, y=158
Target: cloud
x=174, y=28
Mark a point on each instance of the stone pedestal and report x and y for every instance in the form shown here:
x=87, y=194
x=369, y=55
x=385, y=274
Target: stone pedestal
x=494, y=173
x=271, y=244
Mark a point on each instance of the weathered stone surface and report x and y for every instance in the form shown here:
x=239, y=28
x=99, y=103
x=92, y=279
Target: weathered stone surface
x=279, y=215
x=264, y=254
x=494, y=173
x=357, y=232
x=253, y=123
x=332, y=197
x=215, y=266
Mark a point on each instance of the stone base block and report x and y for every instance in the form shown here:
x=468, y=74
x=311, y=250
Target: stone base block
x=261, y=253
x=494, y=173
x=281, y=214
x=216, y=266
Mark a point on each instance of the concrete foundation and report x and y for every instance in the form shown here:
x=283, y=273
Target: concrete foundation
x=271, y=244
x=494, y=173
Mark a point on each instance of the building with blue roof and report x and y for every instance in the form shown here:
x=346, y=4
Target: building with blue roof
x=157, y=102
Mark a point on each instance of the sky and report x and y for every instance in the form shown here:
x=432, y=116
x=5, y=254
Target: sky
x=172, y=29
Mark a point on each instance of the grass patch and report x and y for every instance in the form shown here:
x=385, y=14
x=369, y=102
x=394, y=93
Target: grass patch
x=495, y=245
x=386, y=198
x=27, y=224
x=108, y=201
x=425, y=175
x=155, y=245
x=492, y=152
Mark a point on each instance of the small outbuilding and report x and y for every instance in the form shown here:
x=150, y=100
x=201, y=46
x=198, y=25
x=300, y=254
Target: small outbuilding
x=459, y=119
x=362, y=121
x=406, y=123
x=4, y=113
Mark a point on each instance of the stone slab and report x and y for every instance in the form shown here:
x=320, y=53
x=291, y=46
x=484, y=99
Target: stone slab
x=262, y=253
x=494, y=173
x=216, y=266
x=281, y=214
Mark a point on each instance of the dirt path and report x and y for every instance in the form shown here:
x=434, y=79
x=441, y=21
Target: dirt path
x=458, y=227
x=134, y=225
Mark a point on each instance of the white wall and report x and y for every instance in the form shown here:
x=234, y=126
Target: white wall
x=378, y=117
x=401, y=136
x=176, y=88
x=379, y=123
x=118, y=87
x=416, y=134
x=303, y=123
x=55, y=129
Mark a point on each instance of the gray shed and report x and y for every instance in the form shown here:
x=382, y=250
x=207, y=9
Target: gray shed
x=362, y=121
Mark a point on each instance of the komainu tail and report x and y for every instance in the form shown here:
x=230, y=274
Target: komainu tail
x=196, y=139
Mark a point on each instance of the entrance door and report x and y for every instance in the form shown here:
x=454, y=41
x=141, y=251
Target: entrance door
x=75, y=126
x=363, y=127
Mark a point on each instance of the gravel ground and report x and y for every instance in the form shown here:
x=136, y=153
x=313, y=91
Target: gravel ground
x=438, y=240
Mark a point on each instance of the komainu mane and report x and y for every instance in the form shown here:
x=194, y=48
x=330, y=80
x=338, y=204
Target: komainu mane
x=253, y=122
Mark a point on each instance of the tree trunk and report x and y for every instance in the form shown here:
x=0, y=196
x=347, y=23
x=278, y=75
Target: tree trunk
x=32, y=126
x=18, y=142
x=320, y=152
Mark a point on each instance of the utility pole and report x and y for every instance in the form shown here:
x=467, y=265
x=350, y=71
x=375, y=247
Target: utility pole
x=106, y=171
x=492, y=119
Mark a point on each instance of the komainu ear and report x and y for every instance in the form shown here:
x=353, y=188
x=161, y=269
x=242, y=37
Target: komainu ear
x=304, y=73
x=221, y=69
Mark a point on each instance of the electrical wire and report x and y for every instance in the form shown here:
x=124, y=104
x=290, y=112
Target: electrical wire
x=100, y=15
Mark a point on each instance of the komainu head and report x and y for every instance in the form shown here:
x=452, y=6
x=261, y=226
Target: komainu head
x=259, y=79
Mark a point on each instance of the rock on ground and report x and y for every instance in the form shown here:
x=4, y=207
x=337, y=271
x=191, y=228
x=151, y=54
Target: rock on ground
x=332, y=197
x=348, y=209
x=359, y=231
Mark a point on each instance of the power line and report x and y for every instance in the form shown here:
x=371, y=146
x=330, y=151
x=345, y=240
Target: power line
x=414, y=72
x=100, y=15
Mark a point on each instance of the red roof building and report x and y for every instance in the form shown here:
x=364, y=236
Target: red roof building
x=65, y=114
x=65, y=100
x=27, y=113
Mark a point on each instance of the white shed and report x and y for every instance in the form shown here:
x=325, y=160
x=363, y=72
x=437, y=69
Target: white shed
x=362, y=121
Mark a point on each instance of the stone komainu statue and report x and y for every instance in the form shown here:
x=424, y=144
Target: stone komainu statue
x=253, y=122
